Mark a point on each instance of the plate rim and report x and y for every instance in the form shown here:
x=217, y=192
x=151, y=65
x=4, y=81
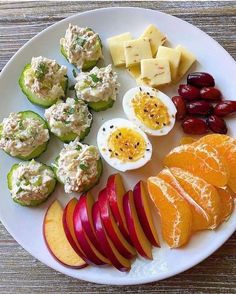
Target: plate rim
x=132, y=280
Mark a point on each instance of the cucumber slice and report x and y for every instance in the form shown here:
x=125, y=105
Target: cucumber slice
x=72, y=136
x=88, y=64
x=41, y=148
x=32, y=97
x=51, y=187
x=87, y=188
x=101, y=105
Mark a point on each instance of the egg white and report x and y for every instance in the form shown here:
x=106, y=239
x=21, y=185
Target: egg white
x=129, y=110
x=102, y=141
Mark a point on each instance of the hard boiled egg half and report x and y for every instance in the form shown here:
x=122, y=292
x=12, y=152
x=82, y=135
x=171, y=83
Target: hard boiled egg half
x=150, y=109
x=123, y=145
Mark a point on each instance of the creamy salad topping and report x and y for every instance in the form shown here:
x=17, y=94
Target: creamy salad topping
x=20, y=136
x=100, y=84
x=80, y=45
x=45, y=78
x=30, y=181
x=70, y=116
x=77, y=166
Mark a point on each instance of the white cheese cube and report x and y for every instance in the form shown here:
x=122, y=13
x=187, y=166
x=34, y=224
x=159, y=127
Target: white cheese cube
x=155, y=71
x=136, y=50
x=155, y=37
x=134, y=71
x=186, y=61
x=173, y=55
x=116, y=46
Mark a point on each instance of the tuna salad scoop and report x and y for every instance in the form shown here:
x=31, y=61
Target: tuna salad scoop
x=31, y=182
x=44, y=81
x=99, y=87
x=70, y=119
x=81, y=46
x=78, y=167
x=24, y=135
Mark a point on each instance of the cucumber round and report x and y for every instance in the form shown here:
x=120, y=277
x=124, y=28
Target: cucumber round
x=41, y=148
x=88, y=64
x=101, y=105
x=86, y=188
x=72, y=136
x=32, y=97
x=51, y=187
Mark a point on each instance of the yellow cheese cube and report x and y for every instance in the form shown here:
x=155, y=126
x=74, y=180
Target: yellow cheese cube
x=136, y=50
x=116, y=46
x=155, y=71
x=186, y=61
x=173, y=55
x=134, y=71
x=155, y=37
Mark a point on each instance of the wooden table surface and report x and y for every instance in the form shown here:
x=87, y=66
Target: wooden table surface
x=20, y=272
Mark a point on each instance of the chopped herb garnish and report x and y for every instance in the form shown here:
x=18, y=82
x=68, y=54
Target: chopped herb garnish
x=67, y=122
x=71, y=111
x=111, y=127
x=74, y=73
x=104, y=129
x=95, y=79
x=78, y=148
x=83, y=166
x=80, y=41
x=41, y=71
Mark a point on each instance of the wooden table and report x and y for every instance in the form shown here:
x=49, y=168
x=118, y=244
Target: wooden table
x=20, y=272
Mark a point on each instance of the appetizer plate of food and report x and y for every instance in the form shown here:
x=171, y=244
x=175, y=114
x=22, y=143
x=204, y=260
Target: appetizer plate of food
x=99, y=179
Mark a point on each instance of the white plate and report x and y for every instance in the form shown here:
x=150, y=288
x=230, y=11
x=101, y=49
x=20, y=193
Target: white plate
x=25, y=224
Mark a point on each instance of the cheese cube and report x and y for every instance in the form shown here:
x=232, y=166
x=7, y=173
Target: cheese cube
x=186, y=61
x=134, y=71
x=155, y=37
x=116, y=46
x=173, y=55
x=155, y=71
x=136, y=50
x=142, y=82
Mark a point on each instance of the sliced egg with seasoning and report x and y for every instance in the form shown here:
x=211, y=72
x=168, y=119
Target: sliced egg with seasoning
x=123, y=145
x=150, y=109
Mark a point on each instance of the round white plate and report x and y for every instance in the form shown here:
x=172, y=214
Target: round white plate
x=25, y=224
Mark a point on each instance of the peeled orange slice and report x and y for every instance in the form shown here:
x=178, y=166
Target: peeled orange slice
x=202, y=193
x=201, y=220
x=202, y=160
x=226, y=147
x=227, y=203
x=175, y=213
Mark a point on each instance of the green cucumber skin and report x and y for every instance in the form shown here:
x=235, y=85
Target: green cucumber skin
x=33, y=202
x=32, y=97
x=38, y=150
x=72, y=136
x=88, y=64
x=101, y=105
x=89, y=187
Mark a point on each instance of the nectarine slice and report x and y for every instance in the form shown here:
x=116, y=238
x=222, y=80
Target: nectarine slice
x=116, y=191
x=117, y=260
x=112, y=229
x=92, y=254
x=84, y=207
x=56, y=240
x=68, y=225
x=142, y=205
x=136, y=232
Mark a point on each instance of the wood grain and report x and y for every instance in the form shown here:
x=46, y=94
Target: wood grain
x=19, y=272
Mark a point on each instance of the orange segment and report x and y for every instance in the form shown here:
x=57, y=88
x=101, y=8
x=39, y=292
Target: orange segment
x=226, y=146
x=202, y=160
x=186, y=140
x=202, y=193
x=227, y=203
x=201, y=219
x=175, y=213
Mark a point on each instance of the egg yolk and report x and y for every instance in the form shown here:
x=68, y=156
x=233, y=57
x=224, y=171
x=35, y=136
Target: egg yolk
x=150, y=111
x=126, y=144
